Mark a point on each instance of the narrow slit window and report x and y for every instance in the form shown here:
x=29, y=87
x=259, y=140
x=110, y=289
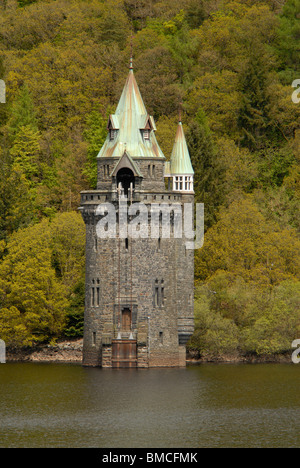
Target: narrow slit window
x=156, y=293
x=156, y=298
x=98, y=296
x=92, y=297
x=126, y=243
x=94, y=339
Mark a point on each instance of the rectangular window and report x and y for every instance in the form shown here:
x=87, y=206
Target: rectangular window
x=98, y=296
x=146, y=135
x=162, y=296
x=92, y=297
x=94, y=339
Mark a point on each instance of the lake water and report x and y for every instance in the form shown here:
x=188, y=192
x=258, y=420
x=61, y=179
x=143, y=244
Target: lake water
x=64, y=405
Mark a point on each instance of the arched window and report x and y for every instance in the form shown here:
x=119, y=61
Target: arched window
x=126, y=177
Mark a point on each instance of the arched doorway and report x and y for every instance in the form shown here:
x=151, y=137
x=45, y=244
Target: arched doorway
x=126, y=177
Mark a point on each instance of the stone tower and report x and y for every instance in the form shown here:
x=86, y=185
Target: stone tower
x=139, y=309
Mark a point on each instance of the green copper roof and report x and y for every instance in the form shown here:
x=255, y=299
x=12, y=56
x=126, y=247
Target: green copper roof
x=128, y=122
x=180, y=162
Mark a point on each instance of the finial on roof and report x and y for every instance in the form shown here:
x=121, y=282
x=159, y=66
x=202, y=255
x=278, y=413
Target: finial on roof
x=131, y=55
x=180, y=112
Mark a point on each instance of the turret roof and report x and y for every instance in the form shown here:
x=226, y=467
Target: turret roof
x=130, y=118
x=180, y=162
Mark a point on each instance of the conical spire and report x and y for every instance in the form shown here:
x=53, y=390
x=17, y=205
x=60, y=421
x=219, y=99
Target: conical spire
x=180, y=162
x=129, y=123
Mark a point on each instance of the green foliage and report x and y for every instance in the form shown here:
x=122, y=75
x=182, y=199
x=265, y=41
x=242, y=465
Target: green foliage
x=29, y=285
x=231, y=318
x=22, y=113
x=214, y=335
x=245, y=244
x=68, y=247
x=209, y=173
x=288, y=40
x=231, y=65
x=3, y=108
x=274, y=165
x=278, y=326
x=195, y=13
x=16, y=200
x=23, y=3
x=75, y=312
x=95, y=134
x=253, y=118
x=38, y=278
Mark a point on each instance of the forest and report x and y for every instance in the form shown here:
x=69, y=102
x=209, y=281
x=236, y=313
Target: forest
x=231, y=65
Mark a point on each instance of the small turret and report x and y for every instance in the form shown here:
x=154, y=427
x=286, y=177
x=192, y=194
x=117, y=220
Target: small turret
x=179, y=169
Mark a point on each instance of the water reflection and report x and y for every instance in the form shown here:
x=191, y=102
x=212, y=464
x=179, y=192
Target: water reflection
x=57, y=405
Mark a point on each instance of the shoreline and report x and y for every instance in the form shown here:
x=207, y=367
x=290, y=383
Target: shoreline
x=71, y=352
x=63, y=352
